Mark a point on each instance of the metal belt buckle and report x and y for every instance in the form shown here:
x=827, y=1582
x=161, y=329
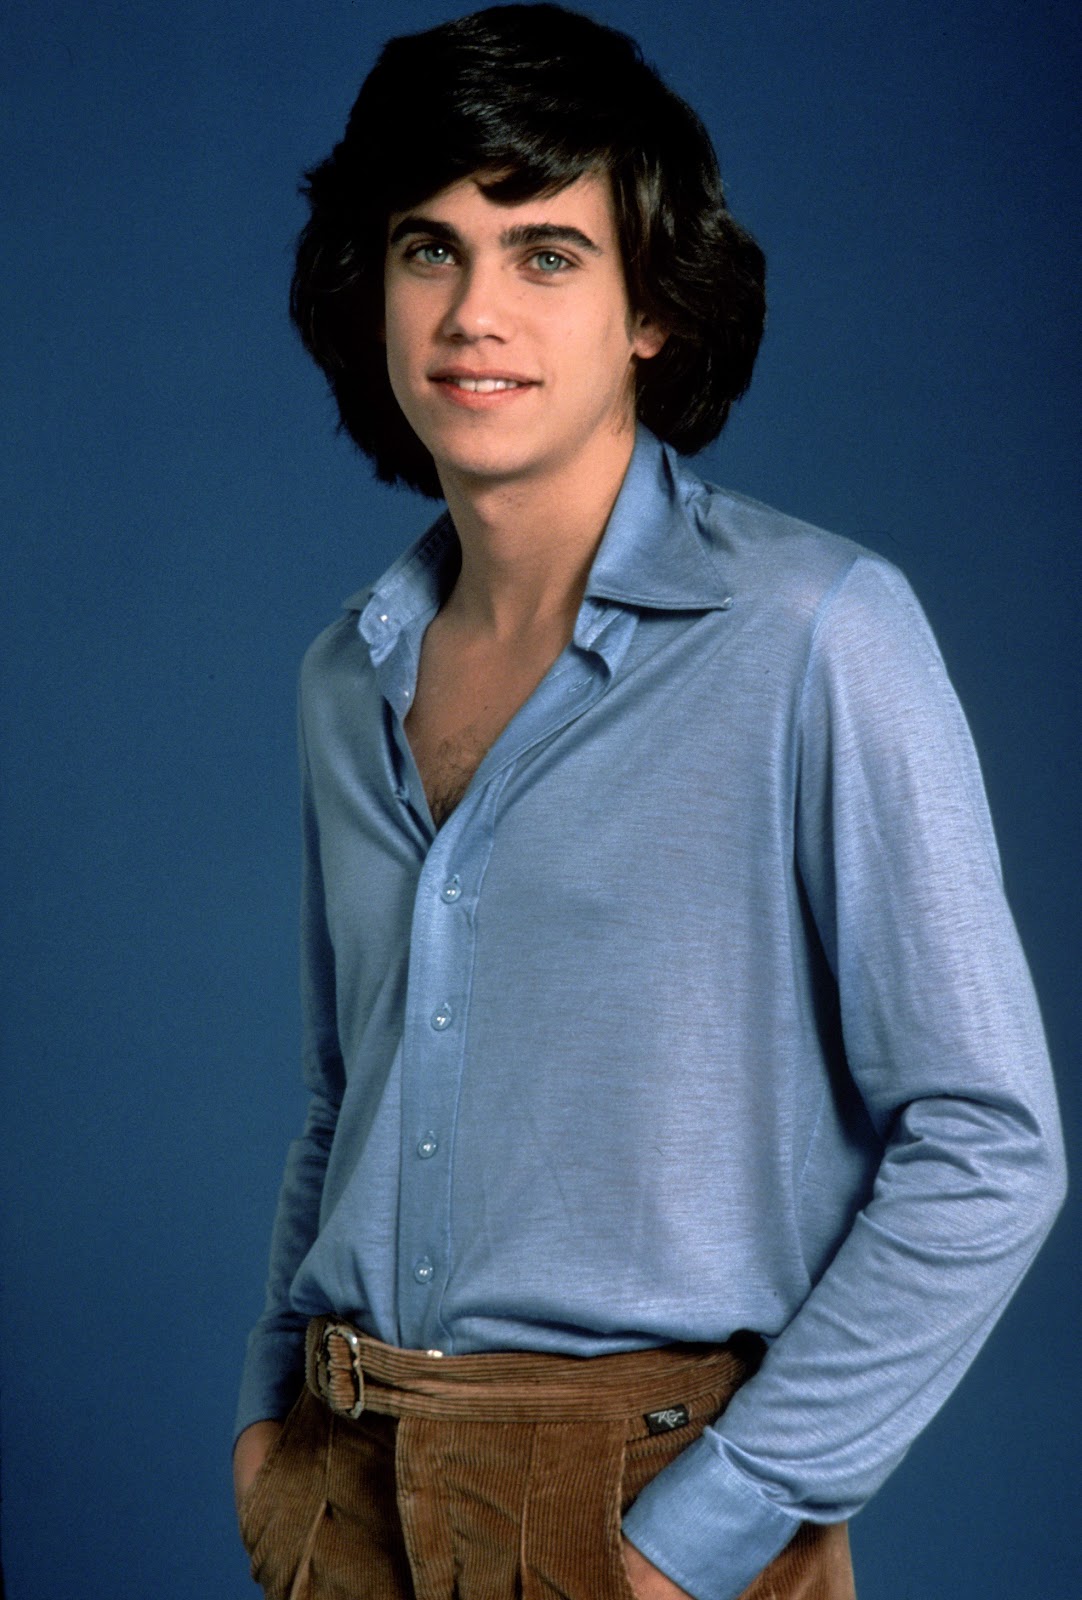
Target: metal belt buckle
x=338, y=1370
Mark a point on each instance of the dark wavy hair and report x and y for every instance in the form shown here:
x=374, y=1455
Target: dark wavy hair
x=535, y=96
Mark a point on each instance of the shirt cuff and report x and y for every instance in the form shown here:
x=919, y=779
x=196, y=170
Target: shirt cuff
x=272, y=1379
x=705, y=1526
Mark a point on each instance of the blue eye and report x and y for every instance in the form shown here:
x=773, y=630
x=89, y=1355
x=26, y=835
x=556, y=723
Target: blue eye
x=432, y=255
x=550, y=261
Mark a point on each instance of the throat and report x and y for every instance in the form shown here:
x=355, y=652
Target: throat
x=469, y=687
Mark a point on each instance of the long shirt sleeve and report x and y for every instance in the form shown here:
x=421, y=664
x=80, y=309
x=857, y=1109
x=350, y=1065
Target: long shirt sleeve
x=275, y=1359
x=942, y=1037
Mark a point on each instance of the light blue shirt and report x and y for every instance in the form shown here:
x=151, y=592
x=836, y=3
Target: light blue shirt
x=702, y=1011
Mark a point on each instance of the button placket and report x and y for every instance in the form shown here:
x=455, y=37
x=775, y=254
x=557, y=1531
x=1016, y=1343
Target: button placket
x=441, y=955
x=440, y=965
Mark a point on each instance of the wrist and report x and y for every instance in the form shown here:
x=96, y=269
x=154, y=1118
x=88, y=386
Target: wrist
x=647, y=1581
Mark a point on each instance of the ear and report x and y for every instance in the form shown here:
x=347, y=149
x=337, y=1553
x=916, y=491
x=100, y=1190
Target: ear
x=647, y=338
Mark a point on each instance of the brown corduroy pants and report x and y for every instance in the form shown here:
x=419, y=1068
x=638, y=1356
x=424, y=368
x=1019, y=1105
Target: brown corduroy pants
x=494, y=1477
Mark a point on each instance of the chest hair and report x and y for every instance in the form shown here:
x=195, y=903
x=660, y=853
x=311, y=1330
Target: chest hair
x=448, y=769
x=467, y=692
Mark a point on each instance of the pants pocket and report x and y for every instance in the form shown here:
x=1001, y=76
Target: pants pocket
x=282, y=1511
x=815, y=1565
x=644, y=1458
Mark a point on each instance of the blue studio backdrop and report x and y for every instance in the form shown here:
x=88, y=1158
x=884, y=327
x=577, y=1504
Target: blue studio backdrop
x=179, y=519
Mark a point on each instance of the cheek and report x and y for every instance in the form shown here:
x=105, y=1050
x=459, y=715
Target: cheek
x=610, y=351
x=597, y=338
x=406, y=312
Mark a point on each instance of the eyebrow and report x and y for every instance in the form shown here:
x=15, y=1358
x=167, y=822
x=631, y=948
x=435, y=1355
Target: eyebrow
x=516, y=238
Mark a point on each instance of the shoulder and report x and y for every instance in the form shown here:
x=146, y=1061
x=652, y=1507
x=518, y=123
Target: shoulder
x=793, y=560
x=336, y=675
x=362, y=633
x=820, y=584
x=336, y=646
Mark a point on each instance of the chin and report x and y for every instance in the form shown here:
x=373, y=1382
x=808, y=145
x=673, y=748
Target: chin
x=492, y=465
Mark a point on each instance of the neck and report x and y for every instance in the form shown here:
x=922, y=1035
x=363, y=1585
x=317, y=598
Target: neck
x=528, y=543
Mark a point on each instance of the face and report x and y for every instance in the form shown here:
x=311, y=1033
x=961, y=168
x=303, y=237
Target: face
x=510, y=341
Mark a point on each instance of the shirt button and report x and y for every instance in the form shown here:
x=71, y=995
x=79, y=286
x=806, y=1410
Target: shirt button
x=452, y=889
x=442, y=1018
x=423, y=1270
x=435, y=1354
x=427, y=1146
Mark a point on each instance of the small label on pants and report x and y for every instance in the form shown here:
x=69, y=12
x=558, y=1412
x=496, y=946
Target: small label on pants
x=668, y=1419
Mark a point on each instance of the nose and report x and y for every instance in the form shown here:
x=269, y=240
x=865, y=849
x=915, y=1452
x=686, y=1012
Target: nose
x=481, y=305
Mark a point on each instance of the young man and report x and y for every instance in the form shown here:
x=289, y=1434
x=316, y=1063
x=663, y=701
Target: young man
x=681, y=1119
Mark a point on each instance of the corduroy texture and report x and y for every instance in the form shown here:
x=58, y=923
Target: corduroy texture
x=493, y=1477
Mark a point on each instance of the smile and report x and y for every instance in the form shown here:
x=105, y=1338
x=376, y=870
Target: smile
x=483, y=385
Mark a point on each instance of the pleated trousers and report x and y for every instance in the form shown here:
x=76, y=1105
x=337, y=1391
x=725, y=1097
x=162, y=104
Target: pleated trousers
x=494, y=1477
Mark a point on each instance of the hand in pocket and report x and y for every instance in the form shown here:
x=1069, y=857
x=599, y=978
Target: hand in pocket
x=249, y=1453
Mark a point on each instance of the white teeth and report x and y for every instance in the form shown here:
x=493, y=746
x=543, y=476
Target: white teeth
x=484, y=385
